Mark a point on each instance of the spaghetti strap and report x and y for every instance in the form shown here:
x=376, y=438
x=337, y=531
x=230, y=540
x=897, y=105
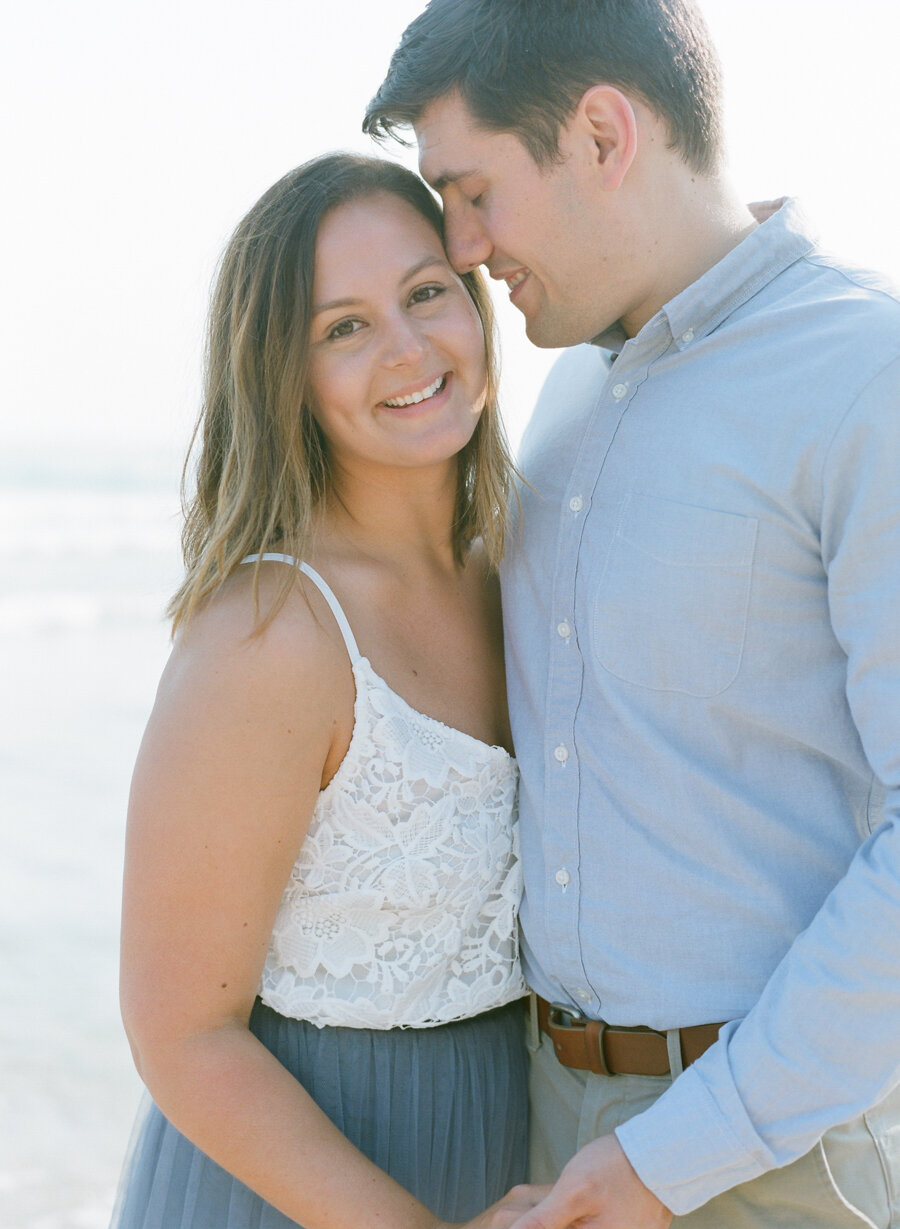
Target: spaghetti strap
x=334, y=604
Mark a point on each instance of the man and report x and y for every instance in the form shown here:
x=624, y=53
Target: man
x=702, y=619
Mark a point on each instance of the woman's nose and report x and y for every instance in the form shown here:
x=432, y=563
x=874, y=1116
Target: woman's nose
x=404, y=343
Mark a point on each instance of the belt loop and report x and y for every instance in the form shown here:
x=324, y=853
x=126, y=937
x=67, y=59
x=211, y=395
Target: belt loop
x=673, y=1045
x=595, y=1033
x=532, y=1026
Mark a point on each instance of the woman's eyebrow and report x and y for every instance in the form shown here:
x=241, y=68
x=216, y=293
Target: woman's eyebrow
x=431, y=259
x=318, y=308
x=332, y=304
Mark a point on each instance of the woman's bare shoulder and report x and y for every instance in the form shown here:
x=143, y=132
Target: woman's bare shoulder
x=229, y=645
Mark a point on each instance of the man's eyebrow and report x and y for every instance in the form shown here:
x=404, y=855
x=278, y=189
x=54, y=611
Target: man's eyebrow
x=449, y=177
x=411, y=272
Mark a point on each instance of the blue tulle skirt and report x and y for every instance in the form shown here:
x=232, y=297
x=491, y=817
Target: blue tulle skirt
x=442, y=1110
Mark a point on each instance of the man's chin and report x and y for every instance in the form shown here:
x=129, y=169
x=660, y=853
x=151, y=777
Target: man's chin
x=548, y=333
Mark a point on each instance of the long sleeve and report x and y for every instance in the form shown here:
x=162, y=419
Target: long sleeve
x=822, y=1044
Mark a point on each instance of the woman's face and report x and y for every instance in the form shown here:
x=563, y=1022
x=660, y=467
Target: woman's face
x=397, y=365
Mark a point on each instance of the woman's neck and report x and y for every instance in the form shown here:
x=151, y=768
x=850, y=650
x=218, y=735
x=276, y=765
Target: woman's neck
x=401, y=518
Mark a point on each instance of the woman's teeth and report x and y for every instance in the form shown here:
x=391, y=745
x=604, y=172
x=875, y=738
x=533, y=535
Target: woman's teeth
x=415, y=398
x=516, y=279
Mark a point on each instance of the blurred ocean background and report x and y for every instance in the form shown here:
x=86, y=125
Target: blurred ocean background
x=88, y=556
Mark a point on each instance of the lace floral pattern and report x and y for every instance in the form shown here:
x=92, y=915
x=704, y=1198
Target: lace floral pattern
x=401, y=908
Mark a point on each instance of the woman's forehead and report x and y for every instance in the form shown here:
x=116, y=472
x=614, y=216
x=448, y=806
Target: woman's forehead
x=377, y=236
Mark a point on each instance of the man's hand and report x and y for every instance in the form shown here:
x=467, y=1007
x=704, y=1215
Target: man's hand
x=598, y=1189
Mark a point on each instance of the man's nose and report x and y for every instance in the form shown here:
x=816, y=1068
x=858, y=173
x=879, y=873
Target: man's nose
x=466, y=240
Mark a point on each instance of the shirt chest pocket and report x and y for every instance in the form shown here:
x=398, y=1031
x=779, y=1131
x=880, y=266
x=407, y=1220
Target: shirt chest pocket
x=670, y=613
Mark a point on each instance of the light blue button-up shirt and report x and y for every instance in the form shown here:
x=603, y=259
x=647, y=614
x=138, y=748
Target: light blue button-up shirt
x=702, y=606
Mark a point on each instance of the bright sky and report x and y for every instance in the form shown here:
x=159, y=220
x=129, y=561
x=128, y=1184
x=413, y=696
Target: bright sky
x=138, y=134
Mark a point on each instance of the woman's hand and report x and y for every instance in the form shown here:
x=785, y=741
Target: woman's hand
x=505, y=1212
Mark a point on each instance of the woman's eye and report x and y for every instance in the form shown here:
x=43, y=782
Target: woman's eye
x=424, y=294
x=476, y=200
x=344, y=328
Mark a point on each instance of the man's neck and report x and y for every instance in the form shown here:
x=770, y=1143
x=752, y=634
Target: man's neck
x=697, y=222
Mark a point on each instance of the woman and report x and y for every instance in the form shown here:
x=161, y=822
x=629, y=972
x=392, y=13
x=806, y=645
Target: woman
x=320, y=975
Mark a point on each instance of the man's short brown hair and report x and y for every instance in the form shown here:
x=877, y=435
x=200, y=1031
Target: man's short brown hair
x=521, y=66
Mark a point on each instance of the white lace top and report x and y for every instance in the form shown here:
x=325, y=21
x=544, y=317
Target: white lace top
x=401, y=908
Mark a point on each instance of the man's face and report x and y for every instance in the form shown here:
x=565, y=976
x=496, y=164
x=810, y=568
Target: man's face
x=539, y=229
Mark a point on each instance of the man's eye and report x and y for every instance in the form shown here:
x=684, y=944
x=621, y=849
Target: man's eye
x=424, y=294
x=345, y=328
x=476, y=200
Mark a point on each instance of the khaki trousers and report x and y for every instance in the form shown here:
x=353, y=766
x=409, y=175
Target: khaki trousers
x=851, y=1178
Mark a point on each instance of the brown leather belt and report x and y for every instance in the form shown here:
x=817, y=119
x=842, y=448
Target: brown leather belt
x=605, y=1049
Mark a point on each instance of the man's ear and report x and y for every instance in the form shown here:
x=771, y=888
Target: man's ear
x=605, y=118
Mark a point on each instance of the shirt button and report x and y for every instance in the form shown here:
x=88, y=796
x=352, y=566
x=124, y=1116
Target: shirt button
x=687, y=336
x=562, y=877
x=583, y=996
x=576, y=503
x=619, y=391
x=564, y=630
x=561, y=754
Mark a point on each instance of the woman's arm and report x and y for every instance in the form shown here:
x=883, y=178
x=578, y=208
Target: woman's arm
x=242, y=734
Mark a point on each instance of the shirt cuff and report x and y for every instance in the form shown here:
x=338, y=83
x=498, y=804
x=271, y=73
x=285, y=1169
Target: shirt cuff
x=690, y=1145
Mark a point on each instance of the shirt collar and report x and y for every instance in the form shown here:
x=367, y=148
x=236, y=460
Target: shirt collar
x=772, y=247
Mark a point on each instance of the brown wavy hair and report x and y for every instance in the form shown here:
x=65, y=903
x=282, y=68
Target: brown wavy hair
x=262, y=468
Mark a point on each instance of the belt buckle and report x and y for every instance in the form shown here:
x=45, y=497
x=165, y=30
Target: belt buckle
x=562, y=1016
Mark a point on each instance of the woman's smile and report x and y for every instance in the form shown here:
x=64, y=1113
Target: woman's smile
x=428, y=393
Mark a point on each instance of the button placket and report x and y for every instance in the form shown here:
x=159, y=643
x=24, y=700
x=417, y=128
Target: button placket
x=558, y=902
x=566, y=666
x=562, y=779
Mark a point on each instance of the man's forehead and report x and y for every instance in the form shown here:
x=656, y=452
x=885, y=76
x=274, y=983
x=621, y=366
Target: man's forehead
x=447, y=137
